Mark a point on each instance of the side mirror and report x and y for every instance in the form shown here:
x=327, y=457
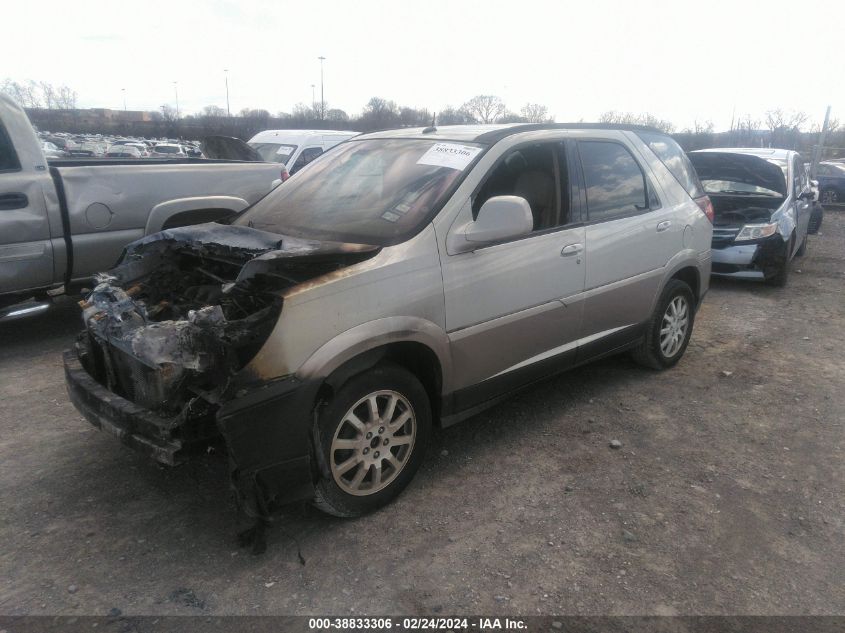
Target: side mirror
x=501, y=218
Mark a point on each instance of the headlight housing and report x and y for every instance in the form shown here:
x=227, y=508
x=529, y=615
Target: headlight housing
x=755, y=232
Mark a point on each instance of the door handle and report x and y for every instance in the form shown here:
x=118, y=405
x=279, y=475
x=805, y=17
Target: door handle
x=663, y=226
x=10, y=201
x=571, y=249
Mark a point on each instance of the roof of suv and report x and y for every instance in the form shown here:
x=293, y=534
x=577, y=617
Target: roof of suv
x=492, y=133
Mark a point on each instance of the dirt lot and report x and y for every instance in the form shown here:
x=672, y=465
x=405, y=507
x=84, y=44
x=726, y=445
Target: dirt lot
x=727, y=496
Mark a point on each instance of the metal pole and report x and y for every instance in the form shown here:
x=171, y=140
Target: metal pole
x=176, y=88
x=313, y=98
x=322, y=94
x=123, y=90
x=817, y=155
x=228, y=111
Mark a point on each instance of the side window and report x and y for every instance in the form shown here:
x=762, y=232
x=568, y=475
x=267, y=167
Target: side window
x=537, y=173
x=8, y=157
x=615, y=184
x=307, y=155
x=671, y=155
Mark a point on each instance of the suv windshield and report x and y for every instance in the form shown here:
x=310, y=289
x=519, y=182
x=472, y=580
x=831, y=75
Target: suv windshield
x=274, y=152
x=378, y=191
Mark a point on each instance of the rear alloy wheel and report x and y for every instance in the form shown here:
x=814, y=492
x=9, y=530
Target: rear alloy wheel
x=373, y=434
x=669, y=329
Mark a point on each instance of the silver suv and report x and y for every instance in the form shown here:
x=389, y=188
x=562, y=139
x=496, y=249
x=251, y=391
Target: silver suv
x=404, y=279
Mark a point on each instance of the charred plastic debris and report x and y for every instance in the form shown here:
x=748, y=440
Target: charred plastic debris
x=185, y=310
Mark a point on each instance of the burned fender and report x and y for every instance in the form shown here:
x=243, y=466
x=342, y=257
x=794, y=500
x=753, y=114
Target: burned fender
x=379, y=333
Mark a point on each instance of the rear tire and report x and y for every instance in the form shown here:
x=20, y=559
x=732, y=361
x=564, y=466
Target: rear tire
x=373, y=436
x=669, y=329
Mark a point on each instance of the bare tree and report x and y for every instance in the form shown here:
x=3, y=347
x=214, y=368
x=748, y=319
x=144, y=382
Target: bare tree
x=49, y=94
x=779, y=119
x=380, y=114
x=535, y=113
x=630, y=118
x=485, y=108
x=453, y=116
x=66, y=98
x=213, y=111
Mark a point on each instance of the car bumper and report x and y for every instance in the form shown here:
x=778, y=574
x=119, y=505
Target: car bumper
x=268, y=434
x=758, y=260
x=134, y=426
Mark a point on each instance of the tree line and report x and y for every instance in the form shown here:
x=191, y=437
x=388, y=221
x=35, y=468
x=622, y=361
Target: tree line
x=54, y=108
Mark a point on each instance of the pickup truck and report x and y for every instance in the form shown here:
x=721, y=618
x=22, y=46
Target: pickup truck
x=62, y=222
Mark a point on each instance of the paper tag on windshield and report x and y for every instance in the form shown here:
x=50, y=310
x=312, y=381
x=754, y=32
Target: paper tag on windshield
x=449, y=155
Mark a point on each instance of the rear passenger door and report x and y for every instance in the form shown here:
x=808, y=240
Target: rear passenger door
x=630, y=237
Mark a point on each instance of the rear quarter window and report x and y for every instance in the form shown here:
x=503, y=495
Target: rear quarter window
x=8, y=157
x=676, y=161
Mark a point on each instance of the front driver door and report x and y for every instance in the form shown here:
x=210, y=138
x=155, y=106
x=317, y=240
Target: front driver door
x=513, y=309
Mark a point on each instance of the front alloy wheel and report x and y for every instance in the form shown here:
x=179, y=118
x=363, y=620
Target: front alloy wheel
x=829, y=196
x=372, y=442
x=372, y=437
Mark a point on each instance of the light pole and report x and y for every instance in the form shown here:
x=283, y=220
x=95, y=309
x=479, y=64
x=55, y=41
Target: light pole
x=226, y=74
x=322, y=94
x=176, y=89
x=123, y=90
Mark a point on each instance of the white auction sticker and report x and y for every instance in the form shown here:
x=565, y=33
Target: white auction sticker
x=449, y=155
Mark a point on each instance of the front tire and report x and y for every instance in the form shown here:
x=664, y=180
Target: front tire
x=373, y=436
x=669, y=329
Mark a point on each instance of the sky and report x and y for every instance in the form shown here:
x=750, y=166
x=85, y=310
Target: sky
x=681, y=61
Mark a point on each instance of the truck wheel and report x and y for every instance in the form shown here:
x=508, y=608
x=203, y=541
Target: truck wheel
x=669, y=328
x=373, y=437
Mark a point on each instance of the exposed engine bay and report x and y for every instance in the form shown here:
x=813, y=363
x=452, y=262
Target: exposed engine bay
x=187, y=308
x=737, y=211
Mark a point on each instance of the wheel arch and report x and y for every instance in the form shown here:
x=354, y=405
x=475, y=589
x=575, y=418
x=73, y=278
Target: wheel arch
x=195, y=210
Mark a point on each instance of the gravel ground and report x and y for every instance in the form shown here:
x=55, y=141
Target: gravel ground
x=727, y=495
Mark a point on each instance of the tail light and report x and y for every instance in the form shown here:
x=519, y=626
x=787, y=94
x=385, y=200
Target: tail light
x=706, y=206
x=285, y=174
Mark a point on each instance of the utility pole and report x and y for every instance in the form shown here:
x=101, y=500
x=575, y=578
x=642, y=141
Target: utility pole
x=123, y=90
x=322, y=94
x=226, y=75
x=176, y=88
x=817, y=155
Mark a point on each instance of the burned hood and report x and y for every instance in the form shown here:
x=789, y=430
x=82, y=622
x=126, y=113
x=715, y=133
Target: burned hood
x=229, y=148
x=734, y=167
x=243, y=240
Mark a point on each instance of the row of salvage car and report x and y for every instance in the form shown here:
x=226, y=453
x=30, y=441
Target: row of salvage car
x=324, y=331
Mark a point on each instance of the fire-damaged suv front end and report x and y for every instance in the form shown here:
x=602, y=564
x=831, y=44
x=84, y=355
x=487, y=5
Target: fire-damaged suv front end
x=163, y=361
